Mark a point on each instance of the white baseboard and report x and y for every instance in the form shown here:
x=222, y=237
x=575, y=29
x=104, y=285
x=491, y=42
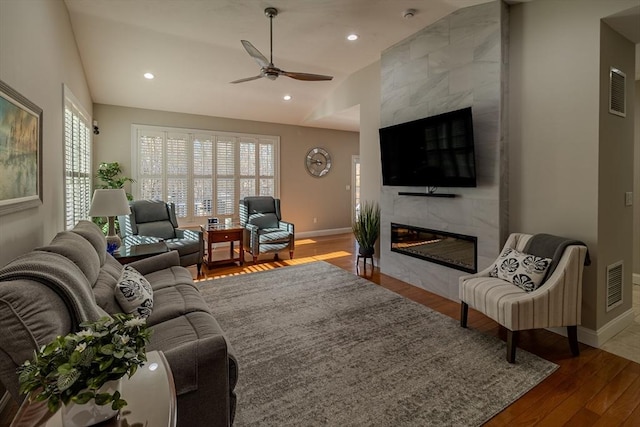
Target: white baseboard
x=328, y=232
x=636, y=279
x=598, y=338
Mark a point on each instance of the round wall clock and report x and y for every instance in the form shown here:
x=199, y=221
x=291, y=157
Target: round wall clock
x=318, y=162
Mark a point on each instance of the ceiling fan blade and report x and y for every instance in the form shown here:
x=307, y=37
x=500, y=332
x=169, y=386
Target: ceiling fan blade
x=305, y=76
x=255, y=54
x=248, y=79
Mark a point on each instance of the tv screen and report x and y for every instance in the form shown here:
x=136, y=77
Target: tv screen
x=436, y=151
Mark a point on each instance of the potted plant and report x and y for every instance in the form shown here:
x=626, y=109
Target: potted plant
x=366, y=227
x=73, y=368
x=109, y=175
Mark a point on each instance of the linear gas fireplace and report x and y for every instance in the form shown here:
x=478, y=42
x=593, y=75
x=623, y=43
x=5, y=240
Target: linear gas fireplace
x=452, y=250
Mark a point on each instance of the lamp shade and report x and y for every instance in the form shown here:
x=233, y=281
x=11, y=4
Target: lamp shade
x=110, y=202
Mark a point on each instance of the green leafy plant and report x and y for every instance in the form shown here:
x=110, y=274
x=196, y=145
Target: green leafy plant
x=366, y=227
x=72, y=368
x=109, y=175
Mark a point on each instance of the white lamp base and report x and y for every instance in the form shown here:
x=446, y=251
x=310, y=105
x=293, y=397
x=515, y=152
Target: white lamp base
x=112, y=237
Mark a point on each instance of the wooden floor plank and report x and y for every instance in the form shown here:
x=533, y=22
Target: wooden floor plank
x=584, y=387
x=622, y=408
x=584, y=418
x=618, y=385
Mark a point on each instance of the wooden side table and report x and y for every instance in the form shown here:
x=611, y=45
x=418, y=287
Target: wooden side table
x=220, y=233
x=150, y=394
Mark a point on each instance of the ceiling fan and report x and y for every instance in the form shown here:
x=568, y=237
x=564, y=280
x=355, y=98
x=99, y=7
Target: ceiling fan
x=267, y=69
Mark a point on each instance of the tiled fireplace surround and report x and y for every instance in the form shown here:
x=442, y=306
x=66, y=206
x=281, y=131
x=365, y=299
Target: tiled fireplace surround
x=454, y=63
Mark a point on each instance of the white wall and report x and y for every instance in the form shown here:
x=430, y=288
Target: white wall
x=636, y=190
x=615, y=172
x=361, y=89
x=37, y=55
x=555, y=139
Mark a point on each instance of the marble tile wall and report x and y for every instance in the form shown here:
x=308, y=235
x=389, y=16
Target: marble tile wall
x=454, y=63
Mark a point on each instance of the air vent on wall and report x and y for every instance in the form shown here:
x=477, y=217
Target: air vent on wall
x=614, y=285
x=617, y=92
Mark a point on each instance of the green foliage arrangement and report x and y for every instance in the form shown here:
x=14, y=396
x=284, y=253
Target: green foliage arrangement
x=109, y=173
x=74, y=367
x=366, y=227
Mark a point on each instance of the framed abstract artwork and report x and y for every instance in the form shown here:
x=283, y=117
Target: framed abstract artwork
x=20, y=152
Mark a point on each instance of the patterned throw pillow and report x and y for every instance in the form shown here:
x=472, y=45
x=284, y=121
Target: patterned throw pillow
x=523, y=270
x=134, y=293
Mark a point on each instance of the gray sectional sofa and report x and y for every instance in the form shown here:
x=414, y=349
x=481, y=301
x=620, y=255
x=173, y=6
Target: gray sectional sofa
x=50, y=290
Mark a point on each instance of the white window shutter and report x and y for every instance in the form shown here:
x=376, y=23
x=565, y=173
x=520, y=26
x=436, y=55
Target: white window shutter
x=204, y=173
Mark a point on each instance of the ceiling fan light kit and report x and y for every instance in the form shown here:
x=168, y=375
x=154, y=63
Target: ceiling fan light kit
x=267, y=69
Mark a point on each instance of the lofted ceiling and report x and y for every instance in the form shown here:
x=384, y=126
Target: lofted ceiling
x=193, y=48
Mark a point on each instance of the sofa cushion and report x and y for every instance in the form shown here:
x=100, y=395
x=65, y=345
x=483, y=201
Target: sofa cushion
x=77, y=249
x=274, y=235
x=159, y=229
x=523, y=270
x=174, y=301
x=172, y=276
x=95, y=236
x=105, y=284
x=267, y=220
x=149, y=211
x=260, y=204
x=183, y=246
x=134, y=293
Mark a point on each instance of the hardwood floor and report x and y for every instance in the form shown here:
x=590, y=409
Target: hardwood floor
x=594, y=389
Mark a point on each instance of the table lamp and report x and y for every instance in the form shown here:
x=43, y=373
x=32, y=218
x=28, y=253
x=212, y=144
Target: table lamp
x=110, y=203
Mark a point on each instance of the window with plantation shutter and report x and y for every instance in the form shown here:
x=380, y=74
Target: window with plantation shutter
x=204, y=173
x=77, y=160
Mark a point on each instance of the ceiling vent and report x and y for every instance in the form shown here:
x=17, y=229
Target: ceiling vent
x=617, y=92
x=614, y=285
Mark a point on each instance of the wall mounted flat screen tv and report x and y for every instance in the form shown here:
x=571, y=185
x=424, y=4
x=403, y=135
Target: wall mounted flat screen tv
x=436, y=151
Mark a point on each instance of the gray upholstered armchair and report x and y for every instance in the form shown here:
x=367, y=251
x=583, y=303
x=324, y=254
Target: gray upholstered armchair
x=265, y=232
x=154, y=220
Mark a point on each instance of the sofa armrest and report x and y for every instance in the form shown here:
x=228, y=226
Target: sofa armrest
x=157, y=262
x=206, y=362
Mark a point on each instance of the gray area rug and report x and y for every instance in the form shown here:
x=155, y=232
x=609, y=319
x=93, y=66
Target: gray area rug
x=318, y=346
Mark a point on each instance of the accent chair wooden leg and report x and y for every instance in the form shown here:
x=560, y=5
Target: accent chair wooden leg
x=255, y=259
x=276, y=257
x=464, y=312
x=290, y=254
x=512, y=342
x=572, y=333
x=199, y=267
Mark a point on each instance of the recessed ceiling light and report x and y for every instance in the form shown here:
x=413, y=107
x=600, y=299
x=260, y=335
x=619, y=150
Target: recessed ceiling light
x=148, y=76
x=287, y=97
x=352, y=37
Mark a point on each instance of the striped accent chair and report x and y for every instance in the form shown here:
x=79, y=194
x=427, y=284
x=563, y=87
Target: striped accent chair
x=264, y=229
x=556, y=303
